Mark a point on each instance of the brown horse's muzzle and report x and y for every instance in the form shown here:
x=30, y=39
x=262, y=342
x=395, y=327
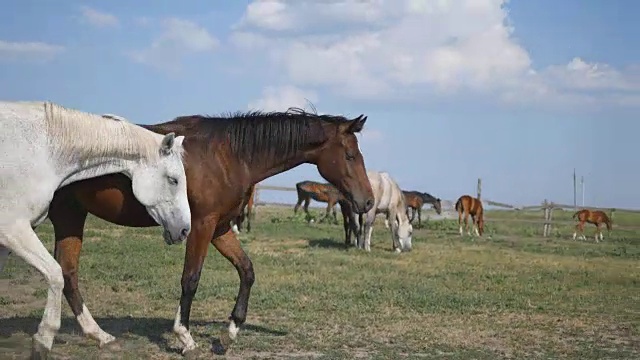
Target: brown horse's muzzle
x=362, y=204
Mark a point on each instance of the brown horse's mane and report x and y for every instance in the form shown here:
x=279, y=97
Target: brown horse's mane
x=255, y=135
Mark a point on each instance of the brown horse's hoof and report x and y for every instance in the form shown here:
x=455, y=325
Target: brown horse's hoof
x=38, y=351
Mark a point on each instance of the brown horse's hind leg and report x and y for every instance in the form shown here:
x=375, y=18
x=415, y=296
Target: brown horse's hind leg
x=68, y=219
x=297, y=206
x=229, y=246
x=466, y=222
x=195, y=253
x=580, y=230
x=598, y=232
x=307, y=201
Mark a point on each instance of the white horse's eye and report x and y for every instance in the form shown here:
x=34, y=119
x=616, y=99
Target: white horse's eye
x=172, y=180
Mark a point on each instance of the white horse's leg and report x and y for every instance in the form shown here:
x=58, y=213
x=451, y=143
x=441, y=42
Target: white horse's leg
x=368, y=225
x=91, y=328
x=386, y=222
x=4, y=255
x=183, y=334
x=367, y=241
x=23, y=241
x=575, y=233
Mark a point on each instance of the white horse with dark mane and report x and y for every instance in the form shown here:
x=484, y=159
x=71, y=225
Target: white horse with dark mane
x=388, y=201
x=44, y=147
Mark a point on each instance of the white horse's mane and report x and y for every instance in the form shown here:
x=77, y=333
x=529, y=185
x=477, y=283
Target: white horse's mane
x=77, y=134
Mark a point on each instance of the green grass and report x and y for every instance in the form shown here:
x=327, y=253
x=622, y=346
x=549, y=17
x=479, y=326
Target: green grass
x=512, y=294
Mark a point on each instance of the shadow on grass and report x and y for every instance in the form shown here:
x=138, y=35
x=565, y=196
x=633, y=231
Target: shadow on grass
x=327, y=243
x=153, y=329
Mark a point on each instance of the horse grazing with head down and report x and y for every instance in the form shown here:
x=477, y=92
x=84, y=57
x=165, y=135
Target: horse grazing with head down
x=224, y=157
x=44, y=147
x=246, y=212
x=595, y=217
x=321, y=192
x=469, y=205
x=415, y=200
x=388, y=201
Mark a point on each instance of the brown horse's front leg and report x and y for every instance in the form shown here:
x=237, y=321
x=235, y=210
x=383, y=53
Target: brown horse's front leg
x=68, y=218
x=229, y=246
x=195, y=253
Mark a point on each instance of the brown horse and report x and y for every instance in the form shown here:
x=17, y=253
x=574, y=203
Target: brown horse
x=415, y=200
x=224, y=157
x=469, y=205
x=321, y=192
x=595, y=217
x=245, y=212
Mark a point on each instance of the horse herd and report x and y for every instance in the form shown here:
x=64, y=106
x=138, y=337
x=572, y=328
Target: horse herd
x=192, y=176
x=400, y=206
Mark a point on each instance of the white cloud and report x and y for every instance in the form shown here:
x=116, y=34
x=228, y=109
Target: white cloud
x=33, y=51
x=378, y=49
x=98, y=18
x=283, y=97
x=179, y=39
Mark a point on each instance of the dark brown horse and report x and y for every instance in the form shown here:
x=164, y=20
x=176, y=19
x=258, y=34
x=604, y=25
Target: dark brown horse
x=469, y=205
x=224, y=157
x=415, y=200
x=246, y=212
x=321, y=192
x=595, y=217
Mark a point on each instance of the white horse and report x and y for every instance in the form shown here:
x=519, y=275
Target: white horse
x=44, y=147
x=389, y=201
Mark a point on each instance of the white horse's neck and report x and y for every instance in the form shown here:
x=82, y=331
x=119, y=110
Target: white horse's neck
x=97, y=167
x=88, y=145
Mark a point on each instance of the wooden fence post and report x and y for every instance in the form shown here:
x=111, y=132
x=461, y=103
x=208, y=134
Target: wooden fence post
x=545, y=228
x=611, y=213
x=479, y=188
x=552, y=206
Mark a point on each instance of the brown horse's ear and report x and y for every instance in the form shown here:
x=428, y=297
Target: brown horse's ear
x=357, y=124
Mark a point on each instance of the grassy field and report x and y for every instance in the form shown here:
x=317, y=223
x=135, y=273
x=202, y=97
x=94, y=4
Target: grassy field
x=511, y=295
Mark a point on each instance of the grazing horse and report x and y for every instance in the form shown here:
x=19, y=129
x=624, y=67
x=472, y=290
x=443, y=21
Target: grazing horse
x=595, y=217
x=469, y=205
x=224, y=157
x=245, y=212
x=415, y=200
x=388, y=201
x=321, y=192
x=43, y=147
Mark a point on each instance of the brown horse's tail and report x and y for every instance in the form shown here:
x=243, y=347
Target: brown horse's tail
x=458, y=205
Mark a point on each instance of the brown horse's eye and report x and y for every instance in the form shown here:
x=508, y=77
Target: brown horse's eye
x=350, y=156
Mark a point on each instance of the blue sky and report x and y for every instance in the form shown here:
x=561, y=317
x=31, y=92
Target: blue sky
x=518, y=93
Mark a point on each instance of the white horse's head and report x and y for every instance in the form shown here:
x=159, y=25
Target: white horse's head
x=160, y=185
x=401, y=231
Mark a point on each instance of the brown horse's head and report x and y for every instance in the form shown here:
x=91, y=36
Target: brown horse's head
x=341, y=163
x=438, y=206
x=480, y=224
